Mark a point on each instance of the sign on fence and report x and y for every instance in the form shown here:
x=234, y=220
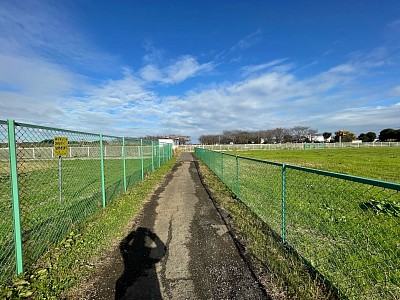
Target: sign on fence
x=60, y=146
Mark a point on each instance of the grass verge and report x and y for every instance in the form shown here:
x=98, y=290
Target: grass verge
x=73, y=259
x=284, y=274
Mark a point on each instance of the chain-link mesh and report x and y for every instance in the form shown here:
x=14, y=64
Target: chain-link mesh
x=147, y=157
x=348, y=230
x=228, y=168
x=346, y=227
x=133, y=162
x=263, y=196
x=7, y=254
x=57, y=193
x=113, y=167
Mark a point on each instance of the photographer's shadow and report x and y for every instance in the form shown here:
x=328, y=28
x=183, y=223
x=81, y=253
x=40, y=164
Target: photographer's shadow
x=141, y=250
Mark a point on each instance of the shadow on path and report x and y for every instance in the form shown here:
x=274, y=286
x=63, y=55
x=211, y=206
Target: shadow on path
x=140, y=250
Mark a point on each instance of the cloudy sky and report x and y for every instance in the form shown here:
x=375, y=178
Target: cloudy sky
x=138, y=68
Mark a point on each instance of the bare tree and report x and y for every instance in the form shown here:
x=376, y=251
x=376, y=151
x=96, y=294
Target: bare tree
x=279, y=133
x=301, y=133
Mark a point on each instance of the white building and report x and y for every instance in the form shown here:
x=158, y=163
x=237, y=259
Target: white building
x=168, y=141
x=320, y=139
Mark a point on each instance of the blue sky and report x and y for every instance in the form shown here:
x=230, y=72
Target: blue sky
x=138, y=68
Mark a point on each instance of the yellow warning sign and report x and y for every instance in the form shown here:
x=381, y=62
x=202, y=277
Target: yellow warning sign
x=60, y=146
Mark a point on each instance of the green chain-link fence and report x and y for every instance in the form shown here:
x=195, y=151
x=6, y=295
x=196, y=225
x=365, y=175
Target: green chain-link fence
x=44, y=194
x=7, y=254
x=346, y=227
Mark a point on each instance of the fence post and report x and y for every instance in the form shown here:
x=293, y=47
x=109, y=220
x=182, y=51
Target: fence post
x=222, y=167
x=124, y=161
x=152, y=156
x=237, y=176
x=103, y=185
x=141, y=157
x=284, y=203
x=15, y=195
x=163, y=153
x=159, y=154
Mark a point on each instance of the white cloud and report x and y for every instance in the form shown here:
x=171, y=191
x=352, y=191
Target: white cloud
x=329, y=100
x=36, y=77
x=396, y=91
x=36, y=89
x=247, y=70
x=45, y=29
x=178, y=71
x=248, y=41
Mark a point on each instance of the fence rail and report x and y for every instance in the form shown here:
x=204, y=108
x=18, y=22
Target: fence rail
x=77, y=152
x=299, y=146
x=346, y=227
x=43, y=193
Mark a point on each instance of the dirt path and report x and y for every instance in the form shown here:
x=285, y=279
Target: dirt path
x=180, y=249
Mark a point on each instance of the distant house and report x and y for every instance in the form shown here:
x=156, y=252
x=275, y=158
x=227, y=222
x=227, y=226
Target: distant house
x=178, y=139
x=320, y=139
x=167, y=141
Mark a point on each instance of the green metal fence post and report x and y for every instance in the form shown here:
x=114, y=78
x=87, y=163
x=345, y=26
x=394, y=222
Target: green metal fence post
x=237, y=176
x=159, y=154
x=141, y=157
x=124, y=161
x=103, y=184
x=162, y=151
x=284, y=203
x=152, y=156
x=15, y=196
x=222, y=167
x=167, y=153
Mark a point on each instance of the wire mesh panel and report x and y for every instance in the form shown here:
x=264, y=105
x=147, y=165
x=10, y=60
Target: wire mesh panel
x=55, y=192
x=7, y=254
x=218, y=164
x=57, y=177
x=229, y=171
x=147, y=156
x=346, y=227
x=133, y=161
x=260, y=188
x=348, y=230
x=113, y=167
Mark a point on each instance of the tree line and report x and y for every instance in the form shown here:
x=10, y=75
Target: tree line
x=296, y=134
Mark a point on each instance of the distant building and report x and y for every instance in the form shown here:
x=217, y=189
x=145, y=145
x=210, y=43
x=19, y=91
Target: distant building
x=178, y=139
x=320, y=139
x=175, y=140
x=167, y=141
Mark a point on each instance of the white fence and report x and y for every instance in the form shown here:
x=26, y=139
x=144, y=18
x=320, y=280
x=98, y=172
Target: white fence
x=299, y=146
x=132, y=152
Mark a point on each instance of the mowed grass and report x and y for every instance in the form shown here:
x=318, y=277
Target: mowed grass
x=348, y=231
x=45, y=217
x=71, y=262
x=377, y=163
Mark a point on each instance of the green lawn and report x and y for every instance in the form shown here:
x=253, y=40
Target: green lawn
x=377, y=163
x=348, y=231
x=45, y=218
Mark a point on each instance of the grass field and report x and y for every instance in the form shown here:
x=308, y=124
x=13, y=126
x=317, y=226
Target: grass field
x=377, y=163
x=45, y=218
x=347, y=230
x=57, y=273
